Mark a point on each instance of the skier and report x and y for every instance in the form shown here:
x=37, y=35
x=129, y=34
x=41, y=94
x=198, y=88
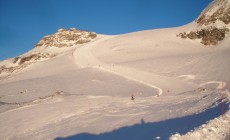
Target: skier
x=132, y=96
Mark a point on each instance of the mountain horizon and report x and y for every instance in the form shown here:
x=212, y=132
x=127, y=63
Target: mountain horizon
x=169, y=83
x=19, y=35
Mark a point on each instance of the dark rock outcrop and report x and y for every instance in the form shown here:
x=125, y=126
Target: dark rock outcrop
x=210, y=36
x=66, y=38
x=62, y=38
x=19, y=63
x=221, y=14
x=213, y=24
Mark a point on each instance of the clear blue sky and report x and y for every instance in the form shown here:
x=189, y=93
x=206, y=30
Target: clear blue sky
x=24, y=22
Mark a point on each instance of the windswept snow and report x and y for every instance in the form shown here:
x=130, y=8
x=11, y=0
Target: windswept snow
x=217, y=128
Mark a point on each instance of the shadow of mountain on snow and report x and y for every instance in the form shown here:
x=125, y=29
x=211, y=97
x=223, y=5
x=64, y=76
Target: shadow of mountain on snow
x=149, y=131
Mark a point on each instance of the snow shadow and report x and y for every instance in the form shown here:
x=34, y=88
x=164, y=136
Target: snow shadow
x=155, y=130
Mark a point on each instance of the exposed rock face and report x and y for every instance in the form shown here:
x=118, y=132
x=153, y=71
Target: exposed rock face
x=19, y=63
x=209, y=36
x=32, y=58
x=62, y=38
x=218, y=10
x=212, y=24
x=66, y=38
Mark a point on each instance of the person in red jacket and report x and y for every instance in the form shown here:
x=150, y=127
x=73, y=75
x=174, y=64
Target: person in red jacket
x=132, y=96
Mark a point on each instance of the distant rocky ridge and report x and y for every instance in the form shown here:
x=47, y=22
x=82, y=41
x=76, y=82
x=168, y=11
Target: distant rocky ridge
x=31, y=58
x=62, y=38
x=22, y=62
x=66, y=38
x=208, y=36
x=212, y=24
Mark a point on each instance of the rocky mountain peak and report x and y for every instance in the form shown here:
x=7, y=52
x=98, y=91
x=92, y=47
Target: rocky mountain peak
x=62, y=38
x=217, y=11
x=66, y=38
x=212, y=24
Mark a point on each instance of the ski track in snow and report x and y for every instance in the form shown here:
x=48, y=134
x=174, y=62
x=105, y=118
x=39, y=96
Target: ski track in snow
x=84, y=58
x=160, y=91
x=215, y=82
x=187, y=77
x=95, y=63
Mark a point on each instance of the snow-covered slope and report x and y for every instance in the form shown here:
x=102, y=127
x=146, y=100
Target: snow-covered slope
x=48, y=47
x=82, y=91
x=217, y=128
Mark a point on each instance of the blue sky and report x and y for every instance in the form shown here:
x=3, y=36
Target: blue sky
x=24, y=22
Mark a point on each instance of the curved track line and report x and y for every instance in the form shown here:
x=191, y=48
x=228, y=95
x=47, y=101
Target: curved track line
x=84, y=58
x=160, y=91
x=83, y=53
x=214, y=82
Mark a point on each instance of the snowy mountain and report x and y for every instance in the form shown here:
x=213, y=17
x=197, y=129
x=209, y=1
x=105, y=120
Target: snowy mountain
x=78, y=85
x=216, y=14
x=66, y=38
x=44, y=49
x=212, y=25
